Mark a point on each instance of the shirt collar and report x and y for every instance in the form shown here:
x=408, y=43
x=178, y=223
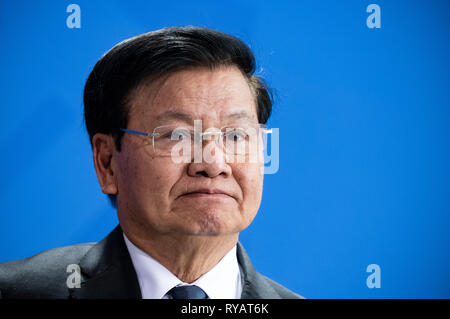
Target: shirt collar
x=223, y=281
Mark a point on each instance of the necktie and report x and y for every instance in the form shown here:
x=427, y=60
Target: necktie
x=187, y=292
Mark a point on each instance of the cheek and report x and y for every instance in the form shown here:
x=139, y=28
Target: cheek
x=146, y=180
x=250, y=178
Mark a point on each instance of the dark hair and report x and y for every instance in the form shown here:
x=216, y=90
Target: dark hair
x=154, y=54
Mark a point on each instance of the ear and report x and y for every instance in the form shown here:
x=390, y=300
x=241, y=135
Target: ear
x=103, y=149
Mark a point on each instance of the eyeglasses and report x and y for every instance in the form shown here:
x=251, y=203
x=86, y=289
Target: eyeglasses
x=239, y=139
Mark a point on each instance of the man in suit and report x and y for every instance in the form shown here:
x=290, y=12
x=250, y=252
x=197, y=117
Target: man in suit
x=175, y=119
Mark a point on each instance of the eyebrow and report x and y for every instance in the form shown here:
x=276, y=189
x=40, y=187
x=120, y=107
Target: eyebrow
x=240, y=115
x=173, y=115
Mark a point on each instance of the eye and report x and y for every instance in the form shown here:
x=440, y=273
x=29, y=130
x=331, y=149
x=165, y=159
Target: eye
x=180, y=134
x=236, y=135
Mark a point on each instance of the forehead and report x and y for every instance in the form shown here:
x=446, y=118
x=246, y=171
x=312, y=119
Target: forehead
x=218, y=95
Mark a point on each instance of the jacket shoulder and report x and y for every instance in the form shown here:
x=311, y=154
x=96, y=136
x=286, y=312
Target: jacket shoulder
x=284, y=292
x=258, y=286
x=43, y=275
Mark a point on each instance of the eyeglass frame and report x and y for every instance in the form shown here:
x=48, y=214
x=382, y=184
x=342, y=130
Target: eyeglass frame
x=202, y=134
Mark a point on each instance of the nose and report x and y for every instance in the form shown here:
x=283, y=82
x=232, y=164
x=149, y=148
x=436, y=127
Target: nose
x=213, y=161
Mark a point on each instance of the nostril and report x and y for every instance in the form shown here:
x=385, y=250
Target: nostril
x=202, y=173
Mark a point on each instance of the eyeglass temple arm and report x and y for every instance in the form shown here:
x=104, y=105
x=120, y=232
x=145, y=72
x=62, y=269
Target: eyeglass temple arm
x=140, y=133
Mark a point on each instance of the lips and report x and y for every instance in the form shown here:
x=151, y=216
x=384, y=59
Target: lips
x=207, y=191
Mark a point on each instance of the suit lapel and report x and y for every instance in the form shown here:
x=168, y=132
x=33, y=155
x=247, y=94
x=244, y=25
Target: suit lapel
x=254, y=284
x=107, y=271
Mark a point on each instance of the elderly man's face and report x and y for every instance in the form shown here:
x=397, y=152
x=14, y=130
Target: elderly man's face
x=152, y=189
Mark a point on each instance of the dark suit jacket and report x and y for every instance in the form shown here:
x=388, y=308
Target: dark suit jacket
x=106, y=272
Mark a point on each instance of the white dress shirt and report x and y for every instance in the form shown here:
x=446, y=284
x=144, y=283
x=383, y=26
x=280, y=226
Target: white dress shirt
x=223, y=281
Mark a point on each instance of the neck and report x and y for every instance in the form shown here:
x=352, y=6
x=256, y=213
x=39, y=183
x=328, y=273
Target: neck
x=188, y=257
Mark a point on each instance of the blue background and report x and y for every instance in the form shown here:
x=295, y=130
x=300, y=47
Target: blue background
x=364, y=129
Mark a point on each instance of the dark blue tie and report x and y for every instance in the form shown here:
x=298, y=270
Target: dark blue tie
x=187, y=292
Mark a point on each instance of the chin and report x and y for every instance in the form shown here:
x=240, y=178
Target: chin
x=214, y=222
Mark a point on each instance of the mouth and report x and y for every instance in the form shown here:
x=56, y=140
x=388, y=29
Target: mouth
x=207, y=194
